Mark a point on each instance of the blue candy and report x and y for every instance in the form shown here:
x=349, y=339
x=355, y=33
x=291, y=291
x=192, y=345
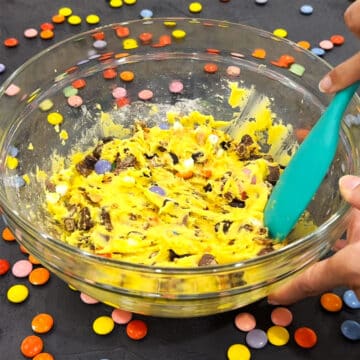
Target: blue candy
x=2, y=68
x=157, y=190
x=164, y=126
x=13, y=151
x=256, y=339
x=146, y=13
x=102, y=166
x=318, y=51
x=351, y=300
x=306, y=9
x=351, y=329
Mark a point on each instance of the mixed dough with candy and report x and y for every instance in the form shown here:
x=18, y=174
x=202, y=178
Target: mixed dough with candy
x=184, y=193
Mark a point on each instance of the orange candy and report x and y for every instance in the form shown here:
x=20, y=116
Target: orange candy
x=213, y=51
x=304, y=44
x=337, y=39
x=100, y=35
x=31, y=346
x=39, y=276
x=23, y=249
x=301, y=134
x=11, y=42
x=43, y=356
x=42, y=323
x=33, y=260
x=109, y=74
x=284, y=61
x=122, y=31
x=58, y=19
x=305, y=337
x=145, y=38
x=164, y=40
x=259, y=53
x=47, y=34
x=136, y=329
x=331, y=302
x=78, y=83
x=211, y=68
x=127, y=76
x=185, y=174
x=7, y=234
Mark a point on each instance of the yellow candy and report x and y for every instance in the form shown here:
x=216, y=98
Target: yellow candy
x=92, y=19
x=129, y=44
x=116, y=3
x=195, y=7
x=103, y=325
x=64, y=135
x=178, y=34
x=12, y=162
x=55, y=118
x=71, y=287
x=129, y=2
x=26, y=178
x=17, y=293
x=170, y=23
x=74, y=20
x=66, y=11
x=280, y=33
x=278, y=335
x=46, y=105
x=238, y=351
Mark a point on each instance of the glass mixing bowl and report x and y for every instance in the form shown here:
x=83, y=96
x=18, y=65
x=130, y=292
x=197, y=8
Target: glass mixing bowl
x=158, y=51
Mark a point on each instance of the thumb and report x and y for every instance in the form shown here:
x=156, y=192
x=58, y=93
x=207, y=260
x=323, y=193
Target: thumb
x=342, y=75
x=350, y=189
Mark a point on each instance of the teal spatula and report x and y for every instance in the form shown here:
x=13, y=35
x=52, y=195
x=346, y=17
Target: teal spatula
x=307, y=168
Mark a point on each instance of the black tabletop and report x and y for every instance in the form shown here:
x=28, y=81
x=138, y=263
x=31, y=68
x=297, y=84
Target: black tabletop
x=72, y=337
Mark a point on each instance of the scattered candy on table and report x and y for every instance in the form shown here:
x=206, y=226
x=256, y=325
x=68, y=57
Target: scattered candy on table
x=277, y=335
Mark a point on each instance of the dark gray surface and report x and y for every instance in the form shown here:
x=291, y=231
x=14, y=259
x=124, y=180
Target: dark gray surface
x=206, y=338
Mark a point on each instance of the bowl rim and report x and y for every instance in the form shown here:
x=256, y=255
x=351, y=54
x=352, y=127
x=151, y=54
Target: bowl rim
x=28, y=227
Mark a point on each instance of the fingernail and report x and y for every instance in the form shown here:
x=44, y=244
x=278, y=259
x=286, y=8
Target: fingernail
x=272, y=302
x=325, y=84
x=349, y=182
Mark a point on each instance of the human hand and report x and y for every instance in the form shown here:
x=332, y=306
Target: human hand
x=347, y=72
x=341, y=269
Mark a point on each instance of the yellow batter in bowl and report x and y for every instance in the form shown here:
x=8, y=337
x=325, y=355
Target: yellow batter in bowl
x=185, y=194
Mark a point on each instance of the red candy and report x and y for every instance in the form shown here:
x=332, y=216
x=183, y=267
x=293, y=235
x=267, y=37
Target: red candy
x=4, y=266
x=136, y=329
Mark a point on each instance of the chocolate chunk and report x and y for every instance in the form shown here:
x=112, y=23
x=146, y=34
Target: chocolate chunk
x=265, y=250
x=86, y=166
x=274, y=174
x=174, y=158
x=106, y=220
x=246, y=140
x=244, y=149
x=225, y=226
x=70, y=224
x=207, y=259
x=225, y=145
x=161, y=148
x=129, y=161
x=50, y=186
x=97, y=151
x=237, y=203
x=173, y=255
x=207, y=187
x=197, y=156
x=85, y=222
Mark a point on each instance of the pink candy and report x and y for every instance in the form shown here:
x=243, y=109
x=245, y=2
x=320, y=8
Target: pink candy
x=22, y=268
x=121, y=316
